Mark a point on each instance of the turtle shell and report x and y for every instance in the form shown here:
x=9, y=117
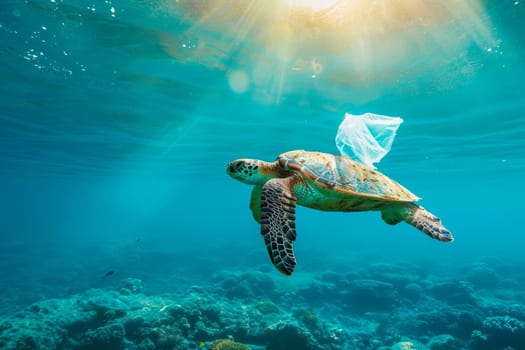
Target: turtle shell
x=344, y=175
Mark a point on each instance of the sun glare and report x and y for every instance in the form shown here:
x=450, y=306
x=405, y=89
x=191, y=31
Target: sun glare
x=316, y=5
x=282, y=46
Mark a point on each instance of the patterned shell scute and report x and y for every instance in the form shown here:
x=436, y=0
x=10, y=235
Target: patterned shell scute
x=345, y=175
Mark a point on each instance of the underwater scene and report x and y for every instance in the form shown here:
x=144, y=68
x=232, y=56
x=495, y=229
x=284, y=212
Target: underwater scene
x=170, y=177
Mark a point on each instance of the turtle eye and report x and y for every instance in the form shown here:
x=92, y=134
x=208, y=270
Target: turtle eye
x=283, y=163
x=236, y=166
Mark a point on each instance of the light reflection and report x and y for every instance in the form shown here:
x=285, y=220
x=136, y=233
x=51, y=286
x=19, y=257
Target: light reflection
x=238, y=81
x=283, y=45
x=315, y=5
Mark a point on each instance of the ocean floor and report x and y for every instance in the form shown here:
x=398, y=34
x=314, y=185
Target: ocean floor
x=478, y=306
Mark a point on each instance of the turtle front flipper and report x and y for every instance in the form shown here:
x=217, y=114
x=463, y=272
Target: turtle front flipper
x=420, y=218
x=278, y=202
x=255, y=203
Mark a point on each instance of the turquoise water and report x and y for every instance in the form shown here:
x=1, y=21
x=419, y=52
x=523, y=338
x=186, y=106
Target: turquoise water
x=118, y=120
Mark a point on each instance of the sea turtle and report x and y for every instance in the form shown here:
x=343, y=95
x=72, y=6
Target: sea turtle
x=324, y=182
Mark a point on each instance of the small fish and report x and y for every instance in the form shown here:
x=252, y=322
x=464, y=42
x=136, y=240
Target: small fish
x=109, y=273
x=202, y=344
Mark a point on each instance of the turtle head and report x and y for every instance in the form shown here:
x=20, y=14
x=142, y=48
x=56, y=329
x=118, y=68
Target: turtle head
x=250, y=171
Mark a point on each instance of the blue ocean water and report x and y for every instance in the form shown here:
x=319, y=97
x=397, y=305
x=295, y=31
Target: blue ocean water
x=118, y=120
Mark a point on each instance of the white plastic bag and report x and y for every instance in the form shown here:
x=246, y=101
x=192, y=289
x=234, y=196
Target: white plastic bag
x=366, y=138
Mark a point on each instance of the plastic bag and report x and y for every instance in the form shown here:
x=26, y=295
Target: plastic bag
x=366, y=138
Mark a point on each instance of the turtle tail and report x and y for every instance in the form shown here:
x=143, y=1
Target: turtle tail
x=421, y=219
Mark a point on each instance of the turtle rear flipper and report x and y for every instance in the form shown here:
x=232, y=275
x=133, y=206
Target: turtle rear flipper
x=277, y=208
x=420, y=218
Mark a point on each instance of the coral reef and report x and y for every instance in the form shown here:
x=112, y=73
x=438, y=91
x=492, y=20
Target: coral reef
x=227, y=344
x=371, y=295
x=131, y=286
x=267, y=307
x=369, y=309
x=443, y=342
